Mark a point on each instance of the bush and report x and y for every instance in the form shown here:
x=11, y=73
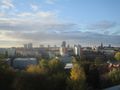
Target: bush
x=30, y=82
x=40, y=82
x=114, y=76
x=93, y=77
x=7, y=76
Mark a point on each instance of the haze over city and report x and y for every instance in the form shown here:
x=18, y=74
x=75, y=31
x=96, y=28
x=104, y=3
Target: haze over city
x=88, y=22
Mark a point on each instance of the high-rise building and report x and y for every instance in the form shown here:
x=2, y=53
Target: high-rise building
x=101, y=46
x=68, y=46
x=28, y=46
x=109, y=45
x=11, y=51
x=25, y=46
x=41, y=46
x=63, y=49
x=77, y=50
x=48, y=46
x=63, y=44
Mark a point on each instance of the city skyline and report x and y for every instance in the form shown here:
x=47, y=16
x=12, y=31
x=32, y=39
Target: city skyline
x=53, y=21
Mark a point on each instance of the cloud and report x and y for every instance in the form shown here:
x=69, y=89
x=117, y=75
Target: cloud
x=45, y=14
x=28, y=17
x=6, y=4
x=102, y=25
x=34, y=7
x=50, y=1
x=116, y=33
x=85, y=38
x=24, y=14
x=38, y=15
x=47, y=28
x=35, y=25
x=39, y=21
x=2, y=14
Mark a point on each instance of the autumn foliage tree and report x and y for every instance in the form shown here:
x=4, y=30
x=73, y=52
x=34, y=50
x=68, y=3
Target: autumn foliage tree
x=50, y=73
x=77, y=78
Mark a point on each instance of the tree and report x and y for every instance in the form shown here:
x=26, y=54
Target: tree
x=36, y=69
x=43, y=63
x=114, y=76
x=50, y=73
x=77, y=72
x=58, y=81
x=2, y=56
x=98, y=60
x=56, y=66
x=31, y=82
x=41, y=68
x=77, y=78
x=74, y=60
x=117, y=56
x=7, y=75
x=93, y=78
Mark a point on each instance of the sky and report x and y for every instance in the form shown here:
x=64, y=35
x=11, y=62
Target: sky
x=85, y=22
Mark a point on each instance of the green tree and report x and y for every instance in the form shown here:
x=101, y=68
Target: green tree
x=98, y=60
x=7, y=75
x=56, y=66
x=31, y=82
x=58, y=81
x=93, y=76
x=2, y=56
x=6, y=54
x=4, y=67
x=43, y=63
x=114, y=76
x=117, y=56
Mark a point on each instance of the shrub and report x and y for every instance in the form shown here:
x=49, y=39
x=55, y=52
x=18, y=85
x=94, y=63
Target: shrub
x=114, y=76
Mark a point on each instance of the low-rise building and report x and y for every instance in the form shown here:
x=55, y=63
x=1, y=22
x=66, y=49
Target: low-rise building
x=21, y=63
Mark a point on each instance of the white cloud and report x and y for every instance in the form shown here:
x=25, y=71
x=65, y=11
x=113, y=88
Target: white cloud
x=29, y=26
x=2, y=14
x=41, y=30
x=45, y=14
x=34, y=7
x=50, y=1
x=24, y=14
x=6, y=4
x=40, y=16
x=102, y=25
x=46, y=26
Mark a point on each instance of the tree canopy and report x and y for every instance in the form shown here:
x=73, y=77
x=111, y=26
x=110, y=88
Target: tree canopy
x=117, y=56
